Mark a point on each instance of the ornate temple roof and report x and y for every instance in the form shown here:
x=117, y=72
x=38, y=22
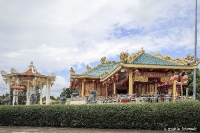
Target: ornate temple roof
x=147, y=59
x=31, y=71
x=136, y=60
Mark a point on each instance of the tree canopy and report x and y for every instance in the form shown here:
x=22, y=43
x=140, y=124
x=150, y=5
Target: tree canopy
x=190, y=81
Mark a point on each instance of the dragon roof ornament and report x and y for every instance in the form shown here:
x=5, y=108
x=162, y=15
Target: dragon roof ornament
x=88, y=67
x=13, y=70
x=3, y=72
x=103, y=60
x=188, y=60
x=72, y=70
x=126, y=58
x=104, y=74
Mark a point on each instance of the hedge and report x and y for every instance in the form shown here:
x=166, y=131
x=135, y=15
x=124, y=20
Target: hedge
x=154, y=116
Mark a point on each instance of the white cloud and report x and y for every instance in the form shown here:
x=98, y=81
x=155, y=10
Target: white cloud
x=58, y=34
x=56, y=89
x=3, y=87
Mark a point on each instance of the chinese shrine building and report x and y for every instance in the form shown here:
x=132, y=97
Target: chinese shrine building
x=140, y=72
x=28, y=80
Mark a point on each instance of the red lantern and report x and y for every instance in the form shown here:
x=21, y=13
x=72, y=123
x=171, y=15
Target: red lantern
x=127, y=75
x=18, y=88
x=76, y=80
x=113, y=78
x=185, y=77
x=84, y=81
x=136, y=71
x=175, y=77
x=22, y=88
x=172, y=79
x=117, y=76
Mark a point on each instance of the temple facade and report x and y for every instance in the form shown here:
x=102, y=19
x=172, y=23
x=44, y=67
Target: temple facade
x=140, y=73
x=29, y=80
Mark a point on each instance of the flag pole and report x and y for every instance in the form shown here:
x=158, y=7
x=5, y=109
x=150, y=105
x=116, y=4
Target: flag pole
x=195, y=54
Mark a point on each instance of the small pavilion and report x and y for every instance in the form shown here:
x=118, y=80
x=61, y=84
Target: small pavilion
x=139, y=72
x=29, y=79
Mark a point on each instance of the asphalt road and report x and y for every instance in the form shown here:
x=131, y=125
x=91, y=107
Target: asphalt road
x=15, y=129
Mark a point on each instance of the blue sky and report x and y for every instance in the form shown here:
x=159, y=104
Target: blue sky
x=56, y=35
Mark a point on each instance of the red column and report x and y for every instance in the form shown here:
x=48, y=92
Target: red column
x=145, y=85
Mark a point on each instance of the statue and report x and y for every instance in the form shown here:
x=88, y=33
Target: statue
x=62, y=98
x=72, y=70
x=33, y=98
x=103, y=60
x=124, y=57
x=93, y=97
x=88, y=67
x=6, y=99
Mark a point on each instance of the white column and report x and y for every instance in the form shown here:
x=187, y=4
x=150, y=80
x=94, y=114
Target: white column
x=28, y=94
x=9, y=85
x=41, y=88
x=14, y=97
x=17, y=92
x=47, y=92
x=33, y=90
x=14, y=93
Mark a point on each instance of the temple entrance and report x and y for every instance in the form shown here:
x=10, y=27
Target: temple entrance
x=122, y=92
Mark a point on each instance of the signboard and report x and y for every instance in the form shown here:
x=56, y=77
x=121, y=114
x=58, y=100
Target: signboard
x=153, y=74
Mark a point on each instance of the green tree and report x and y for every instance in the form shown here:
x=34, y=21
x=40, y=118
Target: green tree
x=52, y=98
x=68, y=92
x=190, y=81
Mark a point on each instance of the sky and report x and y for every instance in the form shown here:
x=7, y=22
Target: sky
x=57, y=35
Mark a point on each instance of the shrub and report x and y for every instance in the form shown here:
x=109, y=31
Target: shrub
x=125, y=116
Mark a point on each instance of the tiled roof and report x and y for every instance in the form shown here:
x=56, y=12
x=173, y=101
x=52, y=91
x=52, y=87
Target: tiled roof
x=101, y=69
x=29, y=72
x=146, y=59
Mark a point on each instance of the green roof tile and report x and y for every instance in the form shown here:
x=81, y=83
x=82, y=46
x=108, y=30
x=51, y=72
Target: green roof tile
x=146, y=59
x=100, y=69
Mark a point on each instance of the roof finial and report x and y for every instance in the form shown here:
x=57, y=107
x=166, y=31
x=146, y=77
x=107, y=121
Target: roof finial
x=141, y=51
x=31, y=64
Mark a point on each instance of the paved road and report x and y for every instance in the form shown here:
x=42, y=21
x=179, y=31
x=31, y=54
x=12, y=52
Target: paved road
x=7, y=129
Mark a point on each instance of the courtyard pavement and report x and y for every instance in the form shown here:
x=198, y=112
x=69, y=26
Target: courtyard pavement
x=16, y=129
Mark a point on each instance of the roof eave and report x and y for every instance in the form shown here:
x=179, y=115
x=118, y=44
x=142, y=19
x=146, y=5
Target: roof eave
x=159, y=66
